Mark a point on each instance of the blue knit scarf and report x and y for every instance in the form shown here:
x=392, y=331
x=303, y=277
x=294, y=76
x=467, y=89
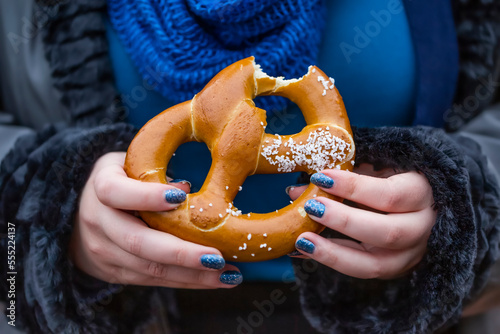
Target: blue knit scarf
x=186, y=42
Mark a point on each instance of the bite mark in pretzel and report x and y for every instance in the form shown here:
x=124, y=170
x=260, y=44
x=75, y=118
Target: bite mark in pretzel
x=224, y=117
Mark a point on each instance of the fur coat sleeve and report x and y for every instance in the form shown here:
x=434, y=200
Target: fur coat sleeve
x=462, y=247
x=40, y=183
x=39, y=189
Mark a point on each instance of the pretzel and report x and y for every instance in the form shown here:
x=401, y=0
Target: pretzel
x=224, y=117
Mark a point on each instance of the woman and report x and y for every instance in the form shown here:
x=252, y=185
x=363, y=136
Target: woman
x=66, y=192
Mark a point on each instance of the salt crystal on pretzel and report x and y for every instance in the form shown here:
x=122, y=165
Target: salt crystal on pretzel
x=224, y=117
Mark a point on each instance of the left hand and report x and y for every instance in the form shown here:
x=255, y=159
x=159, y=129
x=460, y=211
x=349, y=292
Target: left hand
x=391, y=219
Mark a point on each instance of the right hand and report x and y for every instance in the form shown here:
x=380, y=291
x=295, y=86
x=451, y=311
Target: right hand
x=110, y=243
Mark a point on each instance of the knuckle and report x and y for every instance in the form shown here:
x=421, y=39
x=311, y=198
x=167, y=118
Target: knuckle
x=202, y=277
x=376, y=270
x=88, y=218
x=103, y=187
x=342, y=220
x=93, y=222
x=129, y=278
x=95, y=248
x=331, y=258
x=180, y=256
x=394, y=236
x=147, y=195
x=351, y=186
x=156, y=270
x=392, y=196
x=133, y=243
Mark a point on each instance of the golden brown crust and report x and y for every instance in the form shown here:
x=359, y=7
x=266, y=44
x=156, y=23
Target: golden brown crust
x=224, y=116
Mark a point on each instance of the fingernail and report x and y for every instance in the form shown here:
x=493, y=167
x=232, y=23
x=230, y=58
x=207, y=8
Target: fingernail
x=315, y=208
x=290, y=188
x=321, y=180
x=295, y=253
x=305, y=245
x=175, y=196
x=213, y=261
x=181, y=181
x=231, y=277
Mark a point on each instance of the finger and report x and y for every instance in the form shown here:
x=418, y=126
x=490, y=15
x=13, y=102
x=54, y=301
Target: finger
x=138, y=271
x=116, y=190
x=295, y=191
x=130, y=269
x=134, y=237
x=403, y=192
x=123, y=276
x=118, y=266
x=347, y=258
x=392, y=231
x=180, y=184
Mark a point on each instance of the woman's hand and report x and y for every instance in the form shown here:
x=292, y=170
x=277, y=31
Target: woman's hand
x=110, y=243
x=391, y=221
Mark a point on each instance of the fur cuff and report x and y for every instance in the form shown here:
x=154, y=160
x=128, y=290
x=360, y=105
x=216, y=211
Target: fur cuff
x=462, y=247
x=40, y=182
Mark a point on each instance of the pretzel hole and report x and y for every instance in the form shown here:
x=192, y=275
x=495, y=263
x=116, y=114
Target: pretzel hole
x=285, y=121
x=191, y=162
x=263, y=193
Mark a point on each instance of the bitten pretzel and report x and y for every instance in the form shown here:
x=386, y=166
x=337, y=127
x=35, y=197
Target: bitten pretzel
x=224, y=117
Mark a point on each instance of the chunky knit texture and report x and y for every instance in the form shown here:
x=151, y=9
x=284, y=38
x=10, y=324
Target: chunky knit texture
x=187, y=42
x=478, y=33
x=76, y=49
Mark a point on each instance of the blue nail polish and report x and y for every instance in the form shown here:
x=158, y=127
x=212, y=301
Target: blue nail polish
x=315, y=208
x=305, y=245
x=180, y=181
x=175, y=196
x=231, y=277
x=212, y=261
x=287, y=190
x=321, y=180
